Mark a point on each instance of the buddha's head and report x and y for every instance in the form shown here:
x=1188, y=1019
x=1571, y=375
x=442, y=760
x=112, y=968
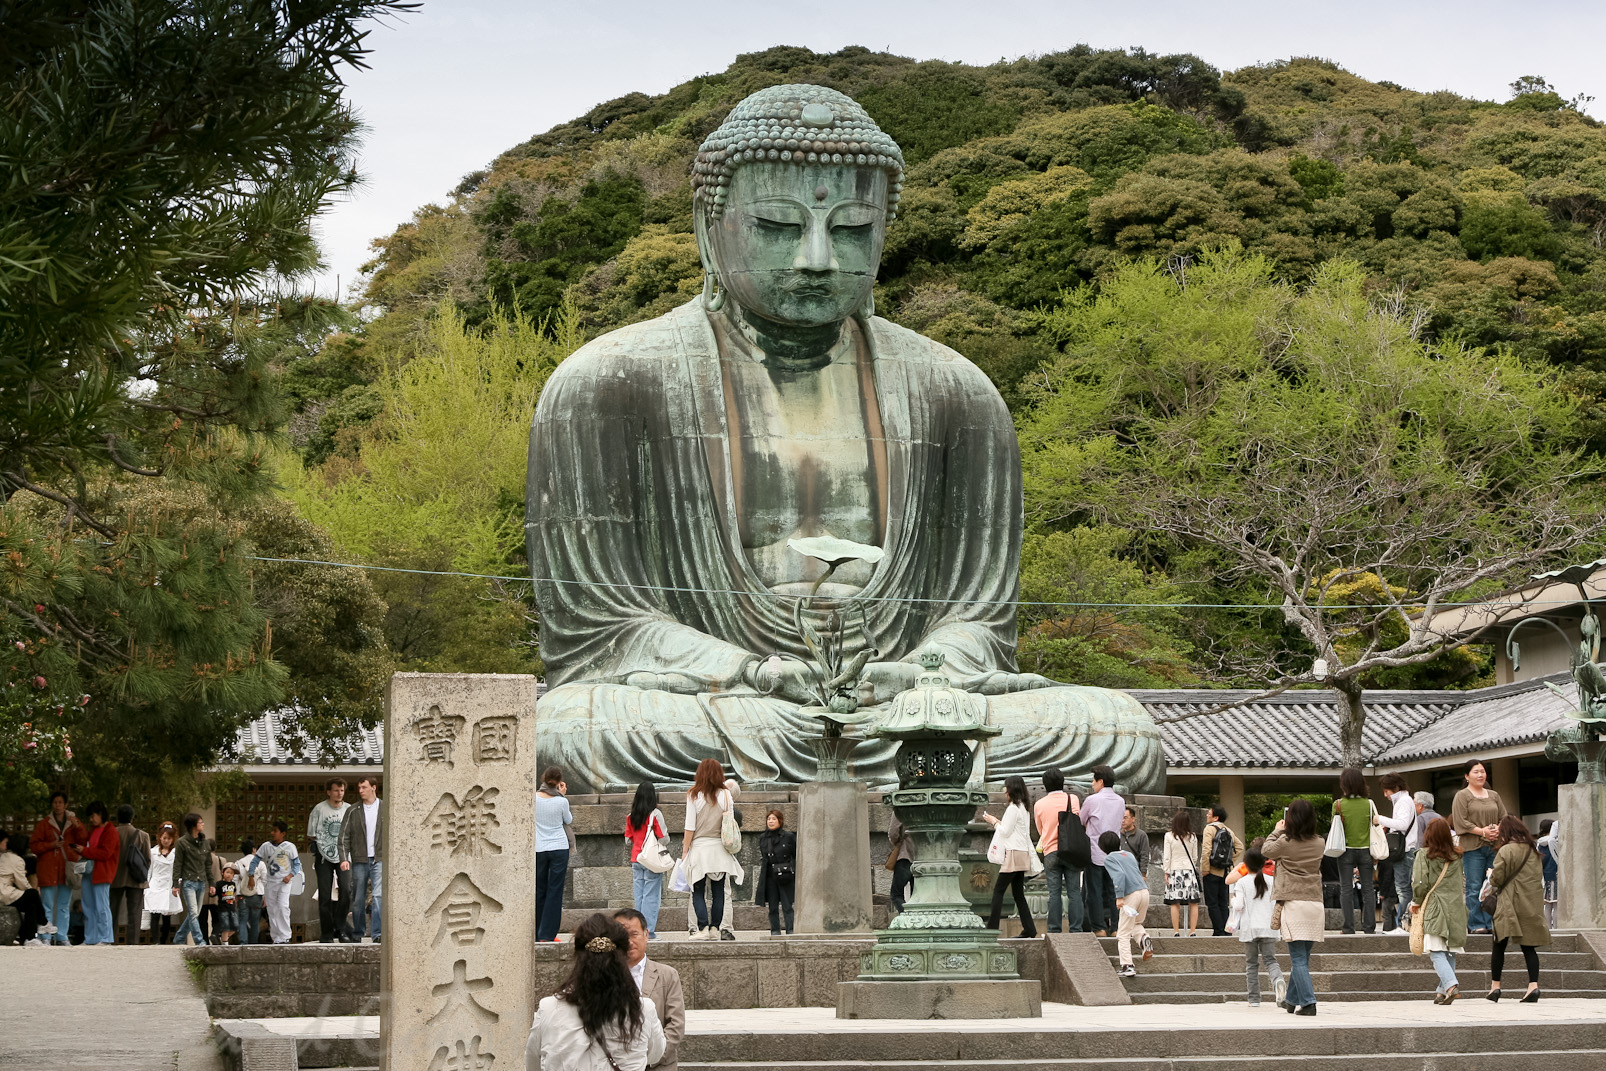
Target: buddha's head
x=792, y=198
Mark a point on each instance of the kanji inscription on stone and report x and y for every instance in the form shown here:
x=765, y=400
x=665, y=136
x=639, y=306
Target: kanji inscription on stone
x=496, y=739
x=437, y=734
x=461, y=906
x=462, y=1056
x=459, y=993
x=464, y=827
x=456, y=980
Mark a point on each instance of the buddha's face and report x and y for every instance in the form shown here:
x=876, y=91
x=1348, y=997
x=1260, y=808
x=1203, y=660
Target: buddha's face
x=800, y=244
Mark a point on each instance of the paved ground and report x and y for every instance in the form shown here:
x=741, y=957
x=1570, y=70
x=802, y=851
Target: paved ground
x=133, y=1009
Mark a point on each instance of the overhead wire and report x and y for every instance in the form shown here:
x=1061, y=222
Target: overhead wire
x=880, y=598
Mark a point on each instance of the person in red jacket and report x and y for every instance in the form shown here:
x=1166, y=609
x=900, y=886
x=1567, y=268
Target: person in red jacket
x=55, y=841
x=104, y=847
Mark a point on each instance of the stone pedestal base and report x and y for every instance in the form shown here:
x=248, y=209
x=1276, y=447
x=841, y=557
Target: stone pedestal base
x=1581, y=878
x=833, y=867
x=959, y=999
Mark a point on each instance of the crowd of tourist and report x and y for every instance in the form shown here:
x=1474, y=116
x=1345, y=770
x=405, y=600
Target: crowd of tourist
x=113, y=881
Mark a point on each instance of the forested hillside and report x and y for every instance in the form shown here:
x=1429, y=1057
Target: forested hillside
x=1475, y=223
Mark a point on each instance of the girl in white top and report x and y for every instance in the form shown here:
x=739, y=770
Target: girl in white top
x=598, y=1020
x=1252, y=905
x=159, y=899
x=704, y=860
x=1014, y=835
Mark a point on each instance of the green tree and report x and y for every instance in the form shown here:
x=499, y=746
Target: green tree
x=436, y=482
x=164, y=160
x=1309, y=439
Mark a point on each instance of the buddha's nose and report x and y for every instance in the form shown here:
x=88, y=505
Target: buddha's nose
x=816, y=254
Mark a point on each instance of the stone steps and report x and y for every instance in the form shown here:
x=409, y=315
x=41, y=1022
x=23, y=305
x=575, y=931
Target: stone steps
x=1200, y=970
x=1461, y=1039
x=1534, y=1060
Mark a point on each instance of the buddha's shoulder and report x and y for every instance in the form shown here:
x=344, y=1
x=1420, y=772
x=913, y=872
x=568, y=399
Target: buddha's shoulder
x=897, y=343
x=635, y=349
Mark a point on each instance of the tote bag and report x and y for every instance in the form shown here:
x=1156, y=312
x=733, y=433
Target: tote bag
x=1335, y=838
x=996, y=853
x=654, y=856
x=1379, y=842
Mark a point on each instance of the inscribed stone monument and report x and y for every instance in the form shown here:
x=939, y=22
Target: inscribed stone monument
x=459, y=871
x=674, y=462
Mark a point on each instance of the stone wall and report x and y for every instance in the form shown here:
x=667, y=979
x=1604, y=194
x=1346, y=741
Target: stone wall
x=276, y=981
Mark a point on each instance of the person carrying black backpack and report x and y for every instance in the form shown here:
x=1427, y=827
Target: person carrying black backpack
x=133, y=873
x=1223, y=849
x=1064, y=876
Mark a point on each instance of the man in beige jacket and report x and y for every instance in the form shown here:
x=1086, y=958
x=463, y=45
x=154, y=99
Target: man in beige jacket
x=659, y=982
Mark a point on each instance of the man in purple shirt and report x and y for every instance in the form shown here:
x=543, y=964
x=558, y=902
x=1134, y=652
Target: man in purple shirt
x=1102, y=811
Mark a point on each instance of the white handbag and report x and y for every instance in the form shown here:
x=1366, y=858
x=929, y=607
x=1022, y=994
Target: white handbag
x=653, y=855
x=996, y=852
x=1379, y=842
x=1336, y=842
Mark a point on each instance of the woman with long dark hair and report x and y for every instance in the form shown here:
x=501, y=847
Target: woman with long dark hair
x=1299, y=917
x=1518, y=878
x=552, y=814
x=1475, y=817
x=1014, y=832
x=597, y=1020
x=15, y=891
x=1180, y=857
x=1355, y=810
x=777, y=847
x=646, y=886
x=1438, y=894
x=704, y=859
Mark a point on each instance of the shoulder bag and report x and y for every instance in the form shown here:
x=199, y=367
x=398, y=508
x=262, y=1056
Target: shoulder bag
x=653, y=855
x=1336, y=842
x=730, y=831
x=1419, y=917
x=1489, y=896
x=1376, y=840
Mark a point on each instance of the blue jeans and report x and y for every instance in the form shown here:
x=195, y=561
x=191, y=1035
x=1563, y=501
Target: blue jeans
x=647, y=888
x=551, y=871
x=58, y=909
x=365, y=878
x=1062, y=875
x=1301, y=990
x=1444, y=963
x=1402, y=888
x=716, y=907
x=191, y=893
x=1477, y=863
x=250, y=919
x=97, y=913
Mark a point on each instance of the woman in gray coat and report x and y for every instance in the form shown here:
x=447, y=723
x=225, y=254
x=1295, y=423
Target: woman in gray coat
x=1518, y=876
x=1439, y=895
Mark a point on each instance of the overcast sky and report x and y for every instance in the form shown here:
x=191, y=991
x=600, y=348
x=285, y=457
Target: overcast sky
x=459, y=81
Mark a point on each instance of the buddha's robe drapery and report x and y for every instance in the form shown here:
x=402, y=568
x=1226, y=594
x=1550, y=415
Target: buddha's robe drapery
x=650, y=609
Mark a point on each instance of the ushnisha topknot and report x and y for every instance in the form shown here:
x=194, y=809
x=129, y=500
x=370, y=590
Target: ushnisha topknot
x=798, y=123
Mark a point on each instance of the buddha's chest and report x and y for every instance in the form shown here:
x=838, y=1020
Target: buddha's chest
x=805, y=460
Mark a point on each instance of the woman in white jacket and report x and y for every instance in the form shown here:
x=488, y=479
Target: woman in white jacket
x=1252, y=906
x=1014, y=835
x=597, y=1020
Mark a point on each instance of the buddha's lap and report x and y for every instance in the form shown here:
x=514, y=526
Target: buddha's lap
x=610, y=737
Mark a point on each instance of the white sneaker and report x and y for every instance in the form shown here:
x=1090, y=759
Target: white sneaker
x=1282, y=990
x=1128, y=971
x=1396, y=932
x=48, y=930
